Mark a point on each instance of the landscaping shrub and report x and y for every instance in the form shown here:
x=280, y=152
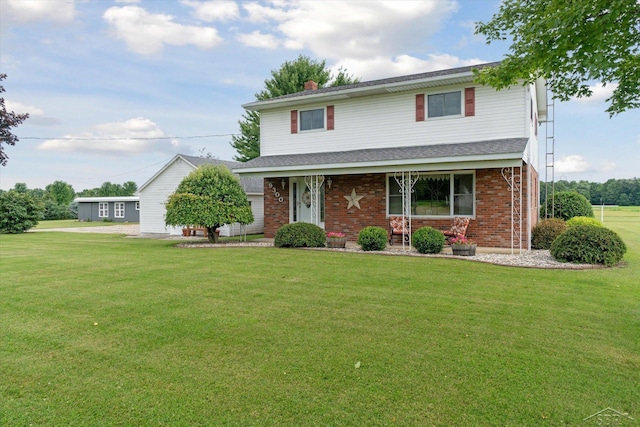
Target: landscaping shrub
x=300, y=235
x=428, y=240
x=18, y=212
x=546, y=231
x=372, y=238
x=566, y=205
x=583, y=220
x=589, y=244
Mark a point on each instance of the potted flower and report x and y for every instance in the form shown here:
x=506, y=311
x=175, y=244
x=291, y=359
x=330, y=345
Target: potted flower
x=462, y=246
x=336, y=239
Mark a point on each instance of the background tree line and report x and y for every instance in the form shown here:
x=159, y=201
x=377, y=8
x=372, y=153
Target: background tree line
x=622, y=192
x=57, y=198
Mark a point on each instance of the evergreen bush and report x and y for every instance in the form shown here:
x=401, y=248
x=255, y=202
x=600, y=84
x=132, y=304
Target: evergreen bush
x=583, y=220
x=428, y=240
x=589, y=244
x=18, y=212
x=372, y=238
x=300, y=235
x=566, y=205
x=546, y=231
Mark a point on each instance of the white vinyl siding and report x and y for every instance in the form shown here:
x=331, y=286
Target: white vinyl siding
x=118, y=210
x=389, y=121
x=154, y=196
x=103, y=210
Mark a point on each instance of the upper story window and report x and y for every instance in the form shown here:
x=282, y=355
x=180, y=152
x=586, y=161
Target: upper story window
x=312, y=119
x=103, y=210
x=118, y=208
x=444, y=104
x=307, y=120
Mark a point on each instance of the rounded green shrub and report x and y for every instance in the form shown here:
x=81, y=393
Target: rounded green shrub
x=583, y=220
x=372, y=238
x=18, y=212
x=546, y=231
x=589, y=244
x=300, y=235
x=566, y=205
x=428, y=240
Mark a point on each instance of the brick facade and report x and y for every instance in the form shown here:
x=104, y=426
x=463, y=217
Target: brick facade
x=491, y=227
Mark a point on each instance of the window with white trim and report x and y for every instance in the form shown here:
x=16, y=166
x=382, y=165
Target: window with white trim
x=435, y=194
x=103, y=210
x=444, y=104
x=312, y=119
x=118, y=208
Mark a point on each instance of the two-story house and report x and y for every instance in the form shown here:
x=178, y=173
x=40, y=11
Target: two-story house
x=430, y=146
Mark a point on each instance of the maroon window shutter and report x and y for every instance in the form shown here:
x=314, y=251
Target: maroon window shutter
x=470, y=101
x=294, y=121
x=420, y=107
x=329, y=117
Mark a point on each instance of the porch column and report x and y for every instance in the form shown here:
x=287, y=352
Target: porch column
x=314, y=184
x=514, y=184
x=406, y=182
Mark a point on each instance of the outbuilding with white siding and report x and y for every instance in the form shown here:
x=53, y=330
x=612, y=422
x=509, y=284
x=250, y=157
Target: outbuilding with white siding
x=155, y=192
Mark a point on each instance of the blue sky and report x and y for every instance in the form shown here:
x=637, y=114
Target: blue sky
x=116, y=88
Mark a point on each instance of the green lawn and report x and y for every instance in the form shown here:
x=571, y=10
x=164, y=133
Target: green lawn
x=103, y=330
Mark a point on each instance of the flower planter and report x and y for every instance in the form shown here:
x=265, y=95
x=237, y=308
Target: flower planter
x=336, y=242
x=464, y=250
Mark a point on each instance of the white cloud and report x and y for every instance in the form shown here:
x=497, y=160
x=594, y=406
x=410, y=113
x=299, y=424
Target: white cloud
x=133, y=136
x=607, y=166
x=216, y=10
x=24, y=11
x=356, y=30
x=37, y=117
x=147, y=33
x=382, y=67
x=571, y=163
x=600, y=93
x=258, y=39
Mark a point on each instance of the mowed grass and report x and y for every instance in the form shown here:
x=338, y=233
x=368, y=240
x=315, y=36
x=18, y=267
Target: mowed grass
x=105, y=330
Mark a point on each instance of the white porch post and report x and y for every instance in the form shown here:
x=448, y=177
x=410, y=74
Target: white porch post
x=514, y=183
x=314, y=183
x=406, y=182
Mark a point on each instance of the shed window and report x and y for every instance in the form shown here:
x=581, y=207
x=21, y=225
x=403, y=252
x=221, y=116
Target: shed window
x=118, y=207
x=103, y=210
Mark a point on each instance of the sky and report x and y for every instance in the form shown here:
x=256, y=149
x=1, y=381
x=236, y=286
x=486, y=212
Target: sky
x=116, y=88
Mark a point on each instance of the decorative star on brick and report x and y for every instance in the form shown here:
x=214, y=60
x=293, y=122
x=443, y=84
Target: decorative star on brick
x=353, y=199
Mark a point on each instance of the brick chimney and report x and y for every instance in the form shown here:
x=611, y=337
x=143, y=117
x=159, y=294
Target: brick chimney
x=311, y=85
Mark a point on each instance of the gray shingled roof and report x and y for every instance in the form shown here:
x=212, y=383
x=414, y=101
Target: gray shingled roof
x=390, y=80
x=515, y=146
x=250, y=185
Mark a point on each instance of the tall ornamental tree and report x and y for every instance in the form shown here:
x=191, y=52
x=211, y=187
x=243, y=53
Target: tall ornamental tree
x=8, y=120
x=289, y=78
x=572, y=44
x=210, y=197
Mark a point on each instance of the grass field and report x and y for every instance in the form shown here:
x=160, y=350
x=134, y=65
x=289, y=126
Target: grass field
x=104, y=330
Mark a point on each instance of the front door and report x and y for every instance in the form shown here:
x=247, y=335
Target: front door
x=303, y=206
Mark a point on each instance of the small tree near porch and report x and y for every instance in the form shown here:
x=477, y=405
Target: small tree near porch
x=210, y=197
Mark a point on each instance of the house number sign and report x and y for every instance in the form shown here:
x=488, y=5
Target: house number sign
x=276, y=193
